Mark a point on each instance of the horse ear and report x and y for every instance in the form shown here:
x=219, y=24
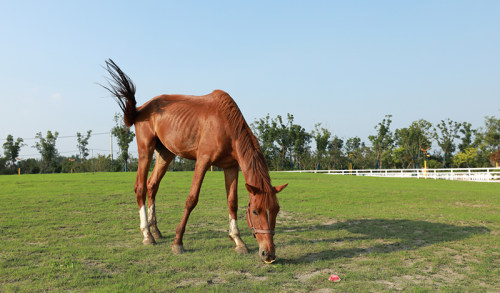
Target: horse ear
x=280, y=187
x=252, y=189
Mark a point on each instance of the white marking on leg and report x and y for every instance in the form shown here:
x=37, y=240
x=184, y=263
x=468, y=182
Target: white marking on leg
x=152, y=214
x=233, y=227
x=143, y=215
x=234, y=233
x=144, y=222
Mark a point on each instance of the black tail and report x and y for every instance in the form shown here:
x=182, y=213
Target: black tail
x=123, y=90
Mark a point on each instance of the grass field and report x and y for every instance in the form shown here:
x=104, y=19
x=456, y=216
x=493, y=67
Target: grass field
x=80, y=232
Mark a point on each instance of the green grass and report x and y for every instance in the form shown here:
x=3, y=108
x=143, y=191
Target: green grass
x=80, y=232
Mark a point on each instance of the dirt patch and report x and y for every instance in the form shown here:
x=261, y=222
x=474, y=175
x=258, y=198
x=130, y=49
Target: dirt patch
x=255, y=278
x=469, y=205
x=304, y=277
x=307, y=276
x=100, y=266
x=323, y=290
x=188, y=283
x=443, y=276
x=406, y=281
x=291, y=217
x=37, y=243
x=244, y=274
x=217, y=281
x=330, y=222
x=389, y=285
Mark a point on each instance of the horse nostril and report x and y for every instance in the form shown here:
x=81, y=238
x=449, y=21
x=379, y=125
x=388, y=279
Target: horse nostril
x=264, y=253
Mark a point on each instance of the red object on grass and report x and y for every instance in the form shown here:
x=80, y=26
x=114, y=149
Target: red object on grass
x=334, y=278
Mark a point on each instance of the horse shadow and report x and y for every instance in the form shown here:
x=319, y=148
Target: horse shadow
x=383, y=236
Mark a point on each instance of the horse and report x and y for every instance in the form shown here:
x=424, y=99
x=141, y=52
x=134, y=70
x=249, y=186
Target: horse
x=211, y=130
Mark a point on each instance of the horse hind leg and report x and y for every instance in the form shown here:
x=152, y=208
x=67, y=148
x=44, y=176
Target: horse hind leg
x=163, y=159
x=231, y=180
x=140, y=188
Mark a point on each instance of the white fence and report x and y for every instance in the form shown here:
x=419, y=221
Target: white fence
x=464, y=174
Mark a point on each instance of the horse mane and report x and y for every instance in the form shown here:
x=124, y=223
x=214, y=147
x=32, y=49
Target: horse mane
x=249, y=149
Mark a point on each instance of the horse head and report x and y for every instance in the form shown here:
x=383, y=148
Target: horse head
x=262, y=211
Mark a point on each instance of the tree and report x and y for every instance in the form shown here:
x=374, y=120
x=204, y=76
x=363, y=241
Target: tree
x=495, y=159
x=103, y=163
x=357, y=152
x=353, y=144
x=30, y=166
x=283, y=143
x=488, y=141
x=413, y=141
x=383, y=141
x=335, y=151
x=124, y=136
x=265, y=130
x=491, y=134
x=3, y=167
x=82, y=143
x=467, y=138
x=11, y=149
x=283, y=139
x=47, y=148
x=445, y=138
x=466, y=157
x=322, y=138
x=300, y=141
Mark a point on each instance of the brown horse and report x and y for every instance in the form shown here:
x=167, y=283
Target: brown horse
x=211, y=130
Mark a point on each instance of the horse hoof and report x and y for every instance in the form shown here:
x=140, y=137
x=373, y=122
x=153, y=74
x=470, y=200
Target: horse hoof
x=241, y=249
x=177, y=249
x=149, y=241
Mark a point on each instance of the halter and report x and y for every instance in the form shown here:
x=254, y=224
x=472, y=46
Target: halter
x=259, y=231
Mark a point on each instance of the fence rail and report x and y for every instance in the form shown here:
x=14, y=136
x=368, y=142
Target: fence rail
x=463, y=174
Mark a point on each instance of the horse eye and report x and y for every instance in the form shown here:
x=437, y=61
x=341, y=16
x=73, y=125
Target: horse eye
x=254, y=212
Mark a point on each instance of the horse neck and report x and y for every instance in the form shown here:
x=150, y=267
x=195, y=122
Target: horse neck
x=254, y=166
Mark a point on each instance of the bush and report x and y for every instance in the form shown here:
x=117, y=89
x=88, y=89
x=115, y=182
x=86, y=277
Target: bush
x=29, y=166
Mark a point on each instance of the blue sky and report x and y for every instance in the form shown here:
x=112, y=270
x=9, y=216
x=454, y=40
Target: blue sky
x=345, y=64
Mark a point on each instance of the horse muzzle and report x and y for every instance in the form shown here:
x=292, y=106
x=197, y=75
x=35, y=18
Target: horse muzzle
x=267, y=257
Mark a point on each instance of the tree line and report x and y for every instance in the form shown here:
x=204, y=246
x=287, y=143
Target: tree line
x=288, y=146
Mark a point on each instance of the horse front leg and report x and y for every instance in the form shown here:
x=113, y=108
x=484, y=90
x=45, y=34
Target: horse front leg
x=231, y=180
x=191, y=202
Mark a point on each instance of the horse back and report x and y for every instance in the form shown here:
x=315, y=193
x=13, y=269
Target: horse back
x=190, y=126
